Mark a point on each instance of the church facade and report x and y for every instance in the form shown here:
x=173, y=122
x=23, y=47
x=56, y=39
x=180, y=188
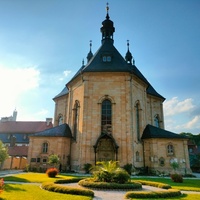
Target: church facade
x=109, y=111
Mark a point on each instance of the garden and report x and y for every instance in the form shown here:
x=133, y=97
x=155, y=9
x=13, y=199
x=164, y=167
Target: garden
x=105, y=176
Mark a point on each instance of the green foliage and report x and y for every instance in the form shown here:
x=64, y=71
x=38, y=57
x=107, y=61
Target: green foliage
x=91, y=183
x=52, y=172
x=177, y=178
x=128, y=167
x=174, y=165
x=3, y=152
x=109, y=171
x=66, y=190
x=54, y=159
x=121, y=176
x=155, y=184
x=159, y=194
x=87, y=167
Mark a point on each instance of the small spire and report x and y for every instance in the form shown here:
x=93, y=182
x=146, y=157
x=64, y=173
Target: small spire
x=90, y=54
x=83, y=62
x=129, y=56
x=107, y=10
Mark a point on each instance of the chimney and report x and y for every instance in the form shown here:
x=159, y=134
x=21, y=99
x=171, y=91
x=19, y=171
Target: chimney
x=48, y=121
x=12, y=141
x=14, y=118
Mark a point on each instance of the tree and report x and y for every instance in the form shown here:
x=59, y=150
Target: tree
x=54, y=159
x=3, y=153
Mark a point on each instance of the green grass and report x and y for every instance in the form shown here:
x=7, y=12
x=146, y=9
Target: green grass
x=33, y=192
x=34, y=178
x=188, y=184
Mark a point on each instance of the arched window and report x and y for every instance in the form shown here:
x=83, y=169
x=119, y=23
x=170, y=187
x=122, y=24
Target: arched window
x=170, y=149
x=75, y=119
x=137, y=117
x=45, y=147
x=106, y=116
x=137, y=156
x=156, y=121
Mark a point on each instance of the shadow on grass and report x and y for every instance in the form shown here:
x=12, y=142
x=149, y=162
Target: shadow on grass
x=16, y=179
x=15, y=188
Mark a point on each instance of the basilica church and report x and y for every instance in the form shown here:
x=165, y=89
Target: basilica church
x=109, y=111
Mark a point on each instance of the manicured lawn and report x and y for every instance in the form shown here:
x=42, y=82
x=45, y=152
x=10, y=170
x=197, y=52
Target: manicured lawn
x=34, y=178
x=188, y=184
x=33, y=192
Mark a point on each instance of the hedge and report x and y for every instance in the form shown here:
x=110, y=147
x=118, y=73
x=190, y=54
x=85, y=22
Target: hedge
x=155, y=184
x=69, y=180
x=90, y=183
x=157, y=194
x=66, y=190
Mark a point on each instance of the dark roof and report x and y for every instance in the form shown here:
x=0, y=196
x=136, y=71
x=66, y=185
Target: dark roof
x=20, y=138
x=117, y=64
x=18, y=151
x=62, y=93
x=155, y=132
x=24, y=126
x=58, y=131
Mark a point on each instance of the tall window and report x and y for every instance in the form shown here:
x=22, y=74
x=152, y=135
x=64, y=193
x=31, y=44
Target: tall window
x=137, y=156
x=45, y=147
x=137, y=113
x=106, y=116
x=156, y=121
x=75, y=119
x=170, y=149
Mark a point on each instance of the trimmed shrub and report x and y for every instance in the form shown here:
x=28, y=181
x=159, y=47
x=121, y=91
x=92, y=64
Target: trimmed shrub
x=158, y=194
x=155, y=184
x=52, y=172
x=177, y=178
x=87, y=167
x=69, y=180
x=121, y=176
x=66, y=190
x=91, y=183
x=128, y=168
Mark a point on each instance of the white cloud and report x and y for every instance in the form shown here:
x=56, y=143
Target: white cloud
x=13, y=83
x=174, y=106
x=66, y=73
x=193, y=123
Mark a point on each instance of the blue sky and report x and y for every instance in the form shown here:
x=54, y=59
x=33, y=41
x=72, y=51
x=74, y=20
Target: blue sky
x=43, y=43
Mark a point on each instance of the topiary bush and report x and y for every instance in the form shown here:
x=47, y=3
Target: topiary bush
x=52, y=172
x=66, y=190
x=177, y=178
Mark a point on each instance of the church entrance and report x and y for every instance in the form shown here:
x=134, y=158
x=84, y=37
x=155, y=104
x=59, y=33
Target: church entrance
x=105, y=148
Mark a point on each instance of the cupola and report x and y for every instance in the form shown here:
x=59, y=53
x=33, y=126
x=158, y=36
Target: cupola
x=129, y=56
x=107, y=28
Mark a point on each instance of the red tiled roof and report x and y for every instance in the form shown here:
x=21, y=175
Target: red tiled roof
x=18, y=151
x=24, y=126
